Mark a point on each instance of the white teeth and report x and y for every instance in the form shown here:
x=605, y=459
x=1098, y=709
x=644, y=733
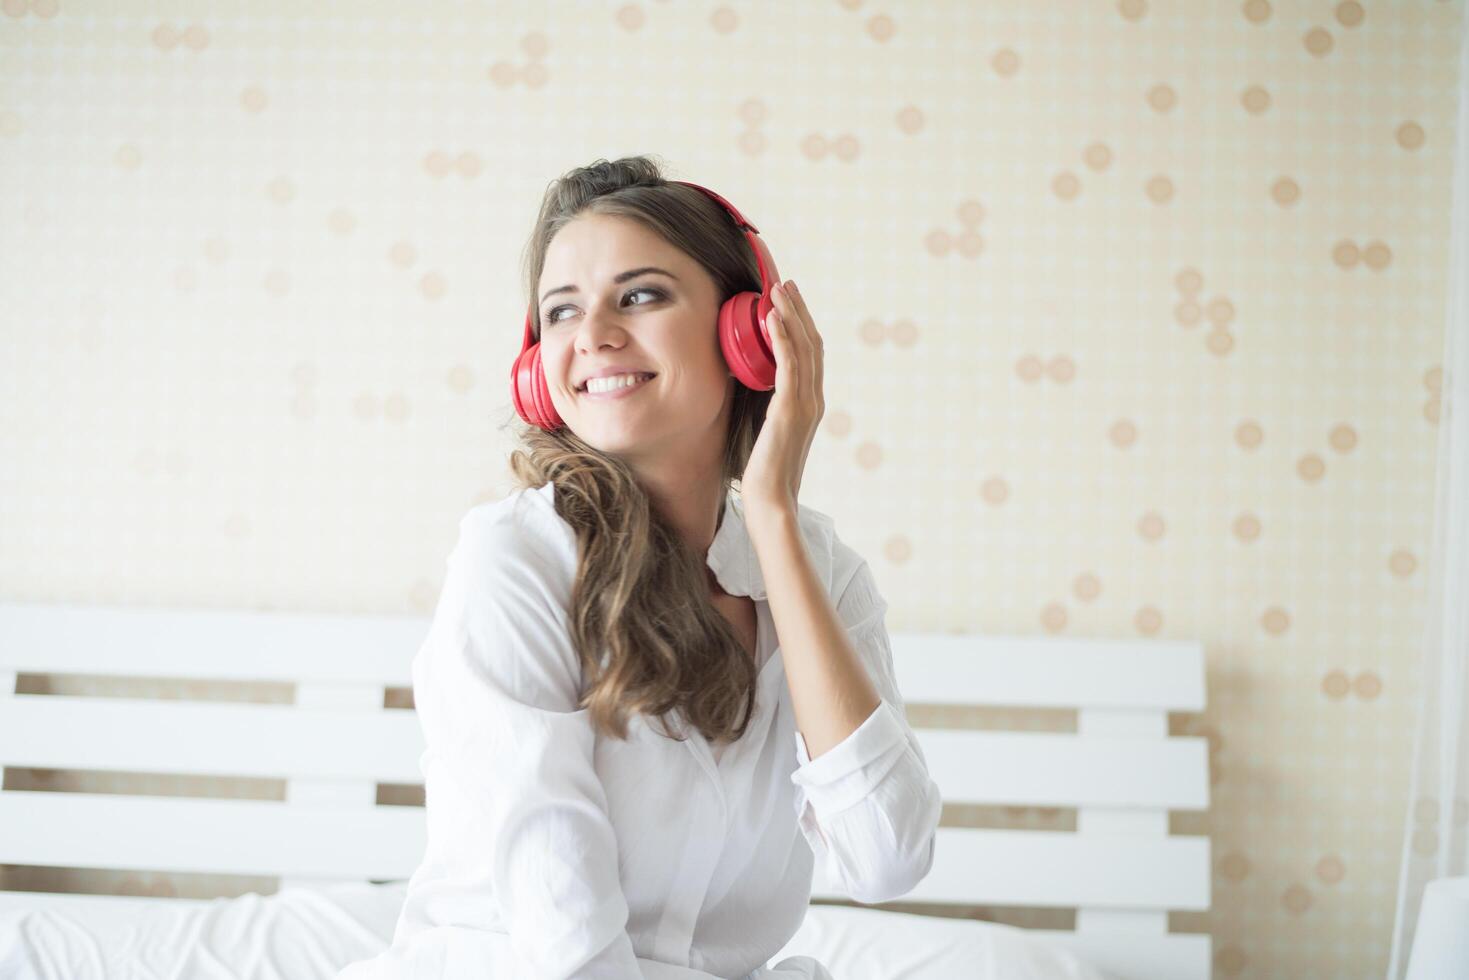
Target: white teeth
x=613, y=383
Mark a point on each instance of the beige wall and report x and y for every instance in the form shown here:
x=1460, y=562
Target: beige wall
x=1134, y=318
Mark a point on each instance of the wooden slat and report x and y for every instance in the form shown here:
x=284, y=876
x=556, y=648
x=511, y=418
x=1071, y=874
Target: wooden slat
x=345, y=745
x=1049, y=672
x=216, y=738
x=939, y=668
x=1059, y=870
x=222, y=836
x=1174, y=956
x=253, y=837
x=209, y=644
x=1061, y=769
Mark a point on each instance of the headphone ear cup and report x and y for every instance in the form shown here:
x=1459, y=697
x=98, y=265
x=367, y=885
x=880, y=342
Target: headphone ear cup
x=745, y=341
x=550, y=418
x=529, y=391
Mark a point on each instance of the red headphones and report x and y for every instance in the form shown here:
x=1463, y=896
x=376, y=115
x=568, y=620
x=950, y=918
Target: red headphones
x=743, y=336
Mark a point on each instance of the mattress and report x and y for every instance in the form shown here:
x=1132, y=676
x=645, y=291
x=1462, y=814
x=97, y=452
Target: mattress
x=311, y=933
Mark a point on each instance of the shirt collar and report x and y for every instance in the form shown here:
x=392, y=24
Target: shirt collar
x=732, y=554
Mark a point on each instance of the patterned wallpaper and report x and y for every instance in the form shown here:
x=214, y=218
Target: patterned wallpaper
x=1133, y=311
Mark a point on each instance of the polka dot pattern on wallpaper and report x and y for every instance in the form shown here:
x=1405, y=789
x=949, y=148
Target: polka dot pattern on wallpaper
x=191, y=37
x=1133, y=320
x=910, y=120
x=531, y=73
x=41, y=9
x=1192, y=309
x=963, y=239
x=752, y=115
x=842, y=147
x=1426, y=817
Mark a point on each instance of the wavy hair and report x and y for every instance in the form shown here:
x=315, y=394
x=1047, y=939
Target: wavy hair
x=647, y=635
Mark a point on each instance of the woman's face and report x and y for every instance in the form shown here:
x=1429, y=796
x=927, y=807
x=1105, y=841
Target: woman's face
x=666, y=325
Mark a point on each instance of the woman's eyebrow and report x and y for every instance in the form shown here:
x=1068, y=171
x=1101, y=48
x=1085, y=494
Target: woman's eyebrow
x=620, y=278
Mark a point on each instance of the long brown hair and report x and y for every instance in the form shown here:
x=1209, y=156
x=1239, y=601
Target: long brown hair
x=647, y=634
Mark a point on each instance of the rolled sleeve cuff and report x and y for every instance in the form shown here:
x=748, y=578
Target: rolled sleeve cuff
x=847, y=772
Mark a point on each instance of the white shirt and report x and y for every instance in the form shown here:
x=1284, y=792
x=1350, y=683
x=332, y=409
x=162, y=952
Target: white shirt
x=553, y=851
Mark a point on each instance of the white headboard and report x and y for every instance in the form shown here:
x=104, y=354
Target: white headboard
x=1121, y=869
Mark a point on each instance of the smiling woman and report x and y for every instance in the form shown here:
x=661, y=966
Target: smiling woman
x=630, y=270
x=614, y=782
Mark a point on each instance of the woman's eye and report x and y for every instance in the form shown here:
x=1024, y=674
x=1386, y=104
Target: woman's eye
x=551, y=313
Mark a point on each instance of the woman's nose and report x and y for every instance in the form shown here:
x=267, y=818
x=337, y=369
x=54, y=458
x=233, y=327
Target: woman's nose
x=597, y=328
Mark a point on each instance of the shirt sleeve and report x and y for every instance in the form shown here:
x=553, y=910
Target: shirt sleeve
x=867, y=805
x=519, y=841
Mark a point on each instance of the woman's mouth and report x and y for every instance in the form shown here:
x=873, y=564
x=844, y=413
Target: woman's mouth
x=622, y=391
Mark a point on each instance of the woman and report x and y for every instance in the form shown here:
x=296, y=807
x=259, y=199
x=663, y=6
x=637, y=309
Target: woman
x=624, y=582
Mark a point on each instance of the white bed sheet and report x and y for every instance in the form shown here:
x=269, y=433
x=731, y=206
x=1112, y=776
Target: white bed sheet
x=310, y=934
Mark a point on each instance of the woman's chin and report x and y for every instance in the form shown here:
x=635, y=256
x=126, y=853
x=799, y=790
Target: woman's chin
x=612, y=437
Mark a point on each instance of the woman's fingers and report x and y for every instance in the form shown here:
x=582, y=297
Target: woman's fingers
x=802, y=335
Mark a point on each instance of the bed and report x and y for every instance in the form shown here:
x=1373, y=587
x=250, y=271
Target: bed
x=341, y=857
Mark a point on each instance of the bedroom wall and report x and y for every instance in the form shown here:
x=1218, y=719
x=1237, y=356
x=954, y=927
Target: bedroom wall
x=1133, y=314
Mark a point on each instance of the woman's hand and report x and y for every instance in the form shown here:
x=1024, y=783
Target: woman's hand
x=772, y=477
